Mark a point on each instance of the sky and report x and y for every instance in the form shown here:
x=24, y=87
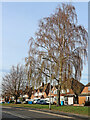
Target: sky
x=20, y=22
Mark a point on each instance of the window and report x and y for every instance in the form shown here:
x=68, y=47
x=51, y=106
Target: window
x=62, y=91
x=66, y=98
x=62, y=98
x=55, y=91
x=36, y=94
x=88, y=88
x=55, y=98
x=40, y=94
x=87, y=98
x=67, y=90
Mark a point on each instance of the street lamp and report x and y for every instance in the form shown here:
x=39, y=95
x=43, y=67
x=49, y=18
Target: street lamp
x=50, y=83
x=50, y=95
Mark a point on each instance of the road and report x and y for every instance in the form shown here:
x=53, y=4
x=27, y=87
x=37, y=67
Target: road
x=14, y=113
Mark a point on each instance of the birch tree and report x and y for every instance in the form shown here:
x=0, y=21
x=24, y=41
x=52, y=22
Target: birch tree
x=62, y=41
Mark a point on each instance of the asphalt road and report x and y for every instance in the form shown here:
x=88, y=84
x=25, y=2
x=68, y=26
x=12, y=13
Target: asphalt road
x=12, y=113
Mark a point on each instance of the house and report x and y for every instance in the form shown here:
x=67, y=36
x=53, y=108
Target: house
x=64, y=95
x=72, y=92
x=53, y=94
x=41, y=92
x=70, y=97
x=34, y=94
x=2, y=99
x=69, y=94
x=85, y=94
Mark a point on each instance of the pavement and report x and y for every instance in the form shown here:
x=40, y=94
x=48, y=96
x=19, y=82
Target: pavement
x=21, y=113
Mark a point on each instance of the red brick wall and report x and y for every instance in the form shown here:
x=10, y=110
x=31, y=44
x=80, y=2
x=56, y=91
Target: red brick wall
x=82, y=99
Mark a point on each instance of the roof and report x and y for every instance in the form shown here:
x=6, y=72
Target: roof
x=40, y=90
x=56, y=86
x=73, y=85
x=76, y=86
x=85, y=90
x=88, y=84
x=87, y=94
x=44, y=88
x=47, y=88
x=70, y=92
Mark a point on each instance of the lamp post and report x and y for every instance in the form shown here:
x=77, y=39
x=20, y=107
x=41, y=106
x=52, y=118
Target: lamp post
x=50, y=94
x=50, y=83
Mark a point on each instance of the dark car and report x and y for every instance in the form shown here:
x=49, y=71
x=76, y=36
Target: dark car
x=18, y=102
x=39, y=102
x=42, y=102
x=35, y=101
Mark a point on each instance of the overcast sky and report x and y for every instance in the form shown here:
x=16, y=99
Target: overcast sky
x=19, y=23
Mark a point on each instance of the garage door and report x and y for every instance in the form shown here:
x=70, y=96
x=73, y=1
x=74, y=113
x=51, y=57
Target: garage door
x=70, y=100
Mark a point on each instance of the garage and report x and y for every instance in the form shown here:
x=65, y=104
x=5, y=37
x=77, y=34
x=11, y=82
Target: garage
x=70, y=100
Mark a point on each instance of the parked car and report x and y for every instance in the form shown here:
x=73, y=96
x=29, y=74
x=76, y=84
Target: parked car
x=35, y=101
x=39, y=101
x=24, y=102
x=11, y=101
x=18, y=102
x=47, y=101
x=43, y=102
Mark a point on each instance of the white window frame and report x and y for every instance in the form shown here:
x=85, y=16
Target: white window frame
x=62, y=91
x=67, y=90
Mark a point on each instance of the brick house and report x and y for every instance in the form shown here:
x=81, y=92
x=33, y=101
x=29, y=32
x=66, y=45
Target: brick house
x=68, y=95
x=53, y=94
x=85, y=94
x=41, y=92
x=65, y=95
x=73, y=92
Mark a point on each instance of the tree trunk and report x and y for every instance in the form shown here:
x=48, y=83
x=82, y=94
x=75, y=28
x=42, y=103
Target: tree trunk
x=59, y=85
x=77, y=98
x=16, y=97
x=58, y=95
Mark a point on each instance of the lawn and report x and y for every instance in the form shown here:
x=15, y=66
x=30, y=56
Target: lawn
x=69, y=109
